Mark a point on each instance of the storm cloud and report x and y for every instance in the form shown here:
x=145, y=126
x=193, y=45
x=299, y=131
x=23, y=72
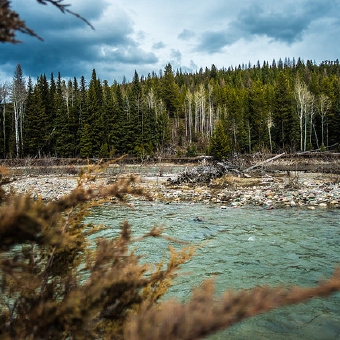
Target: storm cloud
x=71, y=46
x=284, y=25
x=145, y=35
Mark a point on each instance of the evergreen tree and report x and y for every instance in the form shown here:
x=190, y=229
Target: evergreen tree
x=35, y=127
x=258, y=116
x=85, y=142
x=219, y=143
x=256, y=105
x=286, y=126
x=170, y=91
x=95, y=118
x=64, y=146
x=117, y=121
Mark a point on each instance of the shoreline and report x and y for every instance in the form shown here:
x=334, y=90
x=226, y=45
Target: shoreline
x=305, y=190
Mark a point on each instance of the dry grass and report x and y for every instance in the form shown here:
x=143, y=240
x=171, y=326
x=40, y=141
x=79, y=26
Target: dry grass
x=235, y=182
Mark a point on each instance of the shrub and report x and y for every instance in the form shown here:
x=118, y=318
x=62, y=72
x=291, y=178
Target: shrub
x=57, y=284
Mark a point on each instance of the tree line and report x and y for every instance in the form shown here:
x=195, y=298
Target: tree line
x=283, y=106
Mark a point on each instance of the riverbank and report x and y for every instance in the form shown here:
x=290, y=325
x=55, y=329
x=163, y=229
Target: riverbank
x=309, y=190
x=270, y=190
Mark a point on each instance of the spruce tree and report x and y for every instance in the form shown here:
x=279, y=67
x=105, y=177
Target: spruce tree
x=85, y=142
x=219, y=143
x=95, y=108
x=286, y=126
x=35, y=127
x=169, y=91
x=63, y=134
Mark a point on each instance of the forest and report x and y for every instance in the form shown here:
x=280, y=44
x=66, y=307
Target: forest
x=280, y=106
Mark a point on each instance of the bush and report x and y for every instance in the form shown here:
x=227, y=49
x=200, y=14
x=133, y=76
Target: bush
x=57, y=284
x=191, y=151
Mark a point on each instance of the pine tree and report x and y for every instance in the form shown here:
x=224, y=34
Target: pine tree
x=258, y=116
x=219, y=143
x=35, y=127
x=85, y=142
x=64, y=137
x=95, y=108
x=117, y=121
x=169, y=91
x=285, y=118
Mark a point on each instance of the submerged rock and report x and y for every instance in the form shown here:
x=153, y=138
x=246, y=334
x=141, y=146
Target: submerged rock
x=199, y=219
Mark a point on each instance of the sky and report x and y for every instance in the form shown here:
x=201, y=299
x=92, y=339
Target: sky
x=146, y=35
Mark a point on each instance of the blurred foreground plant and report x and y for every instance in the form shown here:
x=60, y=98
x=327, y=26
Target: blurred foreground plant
x=56, y=284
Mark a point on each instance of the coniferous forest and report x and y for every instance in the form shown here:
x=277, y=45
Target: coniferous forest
x=280, y=106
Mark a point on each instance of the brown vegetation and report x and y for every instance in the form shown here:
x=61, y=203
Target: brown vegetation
x=55, y=283
x=235, y=182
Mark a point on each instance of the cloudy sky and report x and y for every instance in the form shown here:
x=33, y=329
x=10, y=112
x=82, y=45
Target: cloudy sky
x=145, y=35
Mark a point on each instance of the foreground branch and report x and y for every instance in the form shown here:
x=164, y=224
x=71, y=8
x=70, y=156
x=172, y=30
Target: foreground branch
x=205, y=314
x=10, y=21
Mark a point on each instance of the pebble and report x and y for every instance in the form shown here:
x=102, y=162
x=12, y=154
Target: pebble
x=312, y=193
x=47, y=188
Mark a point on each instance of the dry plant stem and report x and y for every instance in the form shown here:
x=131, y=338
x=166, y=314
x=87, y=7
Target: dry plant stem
x=205, y=314
x=55, y=283
x=157, y=232
x=58, y=284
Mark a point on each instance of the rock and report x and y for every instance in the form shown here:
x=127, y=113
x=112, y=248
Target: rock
x=199, y=219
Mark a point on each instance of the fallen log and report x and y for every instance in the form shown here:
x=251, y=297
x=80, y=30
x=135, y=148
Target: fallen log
x=204, y=174
x=264, y=162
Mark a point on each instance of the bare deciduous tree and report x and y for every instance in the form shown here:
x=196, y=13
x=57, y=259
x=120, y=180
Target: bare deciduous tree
x=18, y=99
x=324, y=107
x=305, y=105
x=4, y=92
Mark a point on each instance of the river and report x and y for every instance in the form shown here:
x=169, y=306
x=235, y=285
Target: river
x=247, y=246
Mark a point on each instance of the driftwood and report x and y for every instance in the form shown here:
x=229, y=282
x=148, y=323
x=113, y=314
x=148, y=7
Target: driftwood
x=205, y=173
x=264, y=162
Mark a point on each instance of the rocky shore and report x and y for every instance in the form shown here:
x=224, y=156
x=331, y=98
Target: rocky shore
x=309, y=190
x=305, y=190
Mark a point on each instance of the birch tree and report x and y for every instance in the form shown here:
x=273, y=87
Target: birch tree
x=18, y=99
x=304, y=102
x=211, y=118
x=324, y=105
x=269, y=127
x=188, y=115
x=4, y=92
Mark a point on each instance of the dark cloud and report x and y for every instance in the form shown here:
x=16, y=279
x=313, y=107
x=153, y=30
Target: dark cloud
x=118, y=45
x=72, y=47
x=286, y=27
x=47, y=18
x=285, y=24
x=214, y=42
x=158, y=45
x=186, y=35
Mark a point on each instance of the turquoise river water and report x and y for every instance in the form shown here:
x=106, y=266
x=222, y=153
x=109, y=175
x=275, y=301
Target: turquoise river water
x=248, y=246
